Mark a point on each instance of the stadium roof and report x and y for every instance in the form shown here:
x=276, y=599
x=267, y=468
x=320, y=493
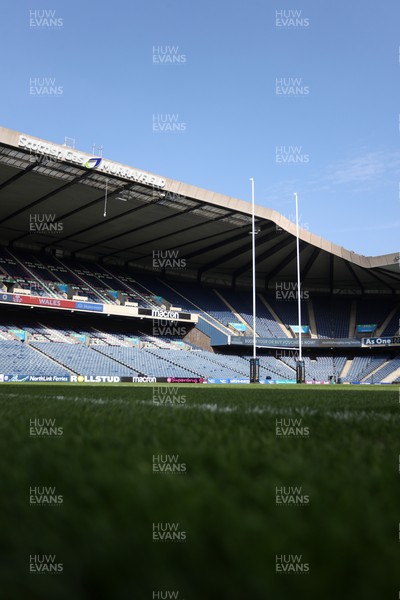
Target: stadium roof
x=114, y=213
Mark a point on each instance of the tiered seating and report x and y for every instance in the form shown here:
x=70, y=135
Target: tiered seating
x=208, y=301
x=390, y=367
x=287, y=311
x=332, y=317
x=27, y=274
x=18, y=358
x=5, y=334
x=237, y=366
x=362, y=366
x=82, y=360
x=36, y=334
x=372, y=310
x=106, y=350
x=120, y=281
x=40, y=275
x=275, y=368
x=321, y=368
x=56, y=335
x=155, y=362
x=98, y=337
x=358, y=365
x=220, y=365
x=122, y=360
x=193, y=299
x=175, y=363
x=242, y=302
x=392, y=328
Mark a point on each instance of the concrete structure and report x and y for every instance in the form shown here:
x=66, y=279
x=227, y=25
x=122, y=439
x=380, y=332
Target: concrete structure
x=113, y=213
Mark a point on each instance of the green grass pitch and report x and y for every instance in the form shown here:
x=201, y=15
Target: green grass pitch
x=338, y=445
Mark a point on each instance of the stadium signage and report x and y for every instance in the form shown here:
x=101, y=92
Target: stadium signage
x=45, y=378
x=95, y=379
x=218, y=380
x=170, y=316
x=34, y=378
x=157, y=313
x=182, y=379
x=164, y=314
x=367, y=328
x=51, y=302
x=70, y=155
x=42, y=301
x=288, y=343
x=6, y=298
x=381, y=341
x=92, y=306
x=151, y=379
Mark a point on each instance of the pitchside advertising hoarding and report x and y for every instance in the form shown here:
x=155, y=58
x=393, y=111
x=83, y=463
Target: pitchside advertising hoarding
x=218, y=381
x=10, y=378
x=112, y=379
x=133, y=379
x=18, y=378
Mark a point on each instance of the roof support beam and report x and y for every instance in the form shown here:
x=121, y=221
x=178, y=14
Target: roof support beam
x=185, y=230
x=309, y=264
x=126, y=249
x=354, y=274
x=45, y=197
x=18, y=175
x=99, y=224
x=264, y=239
x=331, y=267
x=373, y=274
x=259, y=259
x=285, y=261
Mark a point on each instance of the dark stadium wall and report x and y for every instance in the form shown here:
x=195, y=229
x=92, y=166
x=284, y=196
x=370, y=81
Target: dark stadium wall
x=198, y=338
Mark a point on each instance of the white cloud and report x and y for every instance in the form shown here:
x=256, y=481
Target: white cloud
x=365, y=168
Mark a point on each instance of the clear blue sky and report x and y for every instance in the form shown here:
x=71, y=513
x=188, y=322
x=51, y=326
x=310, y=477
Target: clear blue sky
x=224, y=98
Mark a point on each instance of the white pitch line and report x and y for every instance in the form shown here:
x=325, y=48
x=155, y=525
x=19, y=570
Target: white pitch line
x=303, y=412
x=339, y=415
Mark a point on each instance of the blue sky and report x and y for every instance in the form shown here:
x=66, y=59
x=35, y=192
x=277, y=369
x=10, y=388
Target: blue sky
x=332, y=135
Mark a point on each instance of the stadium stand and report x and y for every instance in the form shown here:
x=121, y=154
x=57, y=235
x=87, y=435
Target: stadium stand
x=20, y=359
x=363, y=366
x=88, y=296
x=371, y=310
x=321, y=368
x=81, y=359
x=287, y=311
x=384, y=370
x=124, y=348
x=332, y=317
x=266, y=326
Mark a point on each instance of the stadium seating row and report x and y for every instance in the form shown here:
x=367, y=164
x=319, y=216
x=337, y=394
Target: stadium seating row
x=62, y=358
x=327, y=317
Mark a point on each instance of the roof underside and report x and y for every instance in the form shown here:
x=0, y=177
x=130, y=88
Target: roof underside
x=109, y=219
